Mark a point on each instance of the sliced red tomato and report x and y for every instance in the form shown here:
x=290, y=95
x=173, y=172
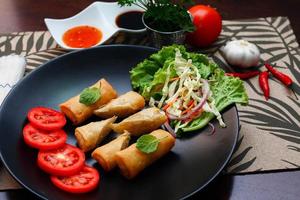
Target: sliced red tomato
x=43, y=140
x=46, y=118
x=84, y=181
x=65, y=161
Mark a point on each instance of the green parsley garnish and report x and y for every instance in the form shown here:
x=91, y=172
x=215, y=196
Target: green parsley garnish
x=164, y=15
x=89, y=96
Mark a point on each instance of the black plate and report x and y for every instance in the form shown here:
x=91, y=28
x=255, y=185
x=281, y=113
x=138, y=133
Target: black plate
x=192, y=164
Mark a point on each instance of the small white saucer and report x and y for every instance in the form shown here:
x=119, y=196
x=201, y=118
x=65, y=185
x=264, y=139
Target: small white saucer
x=101, y=15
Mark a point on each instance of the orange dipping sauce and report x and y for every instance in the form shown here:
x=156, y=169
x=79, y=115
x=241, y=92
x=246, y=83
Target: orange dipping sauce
x=82, y=36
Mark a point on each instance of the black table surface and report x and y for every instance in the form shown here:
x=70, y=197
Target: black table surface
x=28, y=15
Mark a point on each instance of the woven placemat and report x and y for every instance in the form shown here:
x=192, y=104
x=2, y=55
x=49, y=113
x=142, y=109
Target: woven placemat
x=270, y=130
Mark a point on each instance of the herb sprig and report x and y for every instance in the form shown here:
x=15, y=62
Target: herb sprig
x=148, y=143
x=164, y=15
x=89, y=96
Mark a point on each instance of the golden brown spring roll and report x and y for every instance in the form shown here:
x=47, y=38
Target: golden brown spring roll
x=141, y=122
x=90, y=135
x=123, y=106
x=78, y=112
x=105, y=155
x=132, y=161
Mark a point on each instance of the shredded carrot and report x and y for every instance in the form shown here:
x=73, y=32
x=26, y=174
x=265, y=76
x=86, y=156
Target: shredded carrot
x=175, y=78
x=166, y=106
x=191, y=102
x=193, y=116
x=169, y=104
x=191, y=105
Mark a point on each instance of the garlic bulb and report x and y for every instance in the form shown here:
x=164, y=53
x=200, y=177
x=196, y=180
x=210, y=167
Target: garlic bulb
x=241, y=53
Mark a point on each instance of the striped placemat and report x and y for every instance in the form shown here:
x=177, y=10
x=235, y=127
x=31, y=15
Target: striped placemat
x=270, y=130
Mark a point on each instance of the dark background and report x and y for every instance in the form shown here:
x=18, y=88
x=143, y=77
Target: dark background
x=28, y=15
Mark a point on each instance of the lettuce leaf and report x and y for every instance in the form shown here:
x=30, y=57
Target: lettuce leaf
x=148, y=78
x=142, y=74
x=155, y=88
x=226, y=90
x=203, y=63
x=167, y=53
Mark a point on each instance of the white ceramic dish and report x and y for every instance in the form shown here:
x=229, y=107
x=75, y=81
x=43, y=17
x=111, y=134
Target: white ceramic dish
x=101, y=15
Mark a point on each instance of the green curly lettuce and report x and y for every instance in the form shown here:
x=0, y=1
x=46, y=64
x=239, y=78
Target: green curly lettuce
x=150, y=73
x=149, y=76
x=226, y=90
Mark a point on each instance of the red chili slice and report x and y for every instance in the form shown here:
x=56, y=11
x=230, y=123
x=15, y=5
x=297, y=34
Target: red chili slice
x=84, y=181
x=284, y=78
x=264, y=83
x=244, y=75
x=46, y=118
x=43, y=140
x=65, y=161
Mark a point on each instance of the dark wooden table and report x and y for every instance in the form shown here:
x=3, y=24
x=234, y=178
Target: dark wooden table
x=28, y=15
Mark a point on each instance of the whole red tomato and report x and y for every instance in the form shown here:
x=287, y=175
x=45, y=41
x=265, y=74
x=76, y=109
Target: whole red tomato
x=208, y=23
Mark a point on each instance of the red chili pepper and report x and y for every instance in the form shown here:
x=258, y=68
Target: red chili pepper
x=264, y=83
x=285, y=79
x=244, y=75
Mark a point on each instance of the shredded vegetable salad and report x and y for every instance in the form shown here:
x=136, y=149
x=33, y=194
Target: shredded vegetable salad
x=187, y=87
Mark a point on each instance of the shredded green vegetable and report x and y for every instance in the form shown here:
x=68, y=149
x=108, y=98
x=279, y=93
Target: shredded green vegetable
x=183, y=82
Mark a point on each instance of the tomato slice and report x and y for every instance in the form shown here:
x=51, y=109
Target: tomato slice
x=46, y=118
x=65, y=161
x=84, y=181
x=43, y=140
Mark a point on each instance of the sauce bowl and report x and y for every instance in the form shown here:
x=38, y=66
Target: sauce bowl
x=101, y=15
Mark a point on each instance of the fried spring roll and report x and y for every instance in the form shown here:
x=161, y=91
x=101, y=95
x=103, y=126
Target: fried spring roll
x=141, y=122
x=78, y=112
x=123, y=106
x=132, y=161
x=105, y=155
x=90, y=135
